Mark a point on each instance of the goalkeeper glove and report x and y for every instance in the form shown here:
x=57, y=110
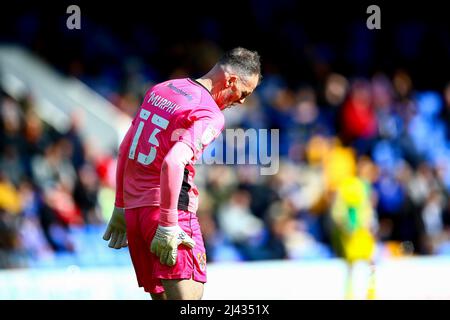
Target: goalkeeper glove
x=166, y=241
x=116, y=230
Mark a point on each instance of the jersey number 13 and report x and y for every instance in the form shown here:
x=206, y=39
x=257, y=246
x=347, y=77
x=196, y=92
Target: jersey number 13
x=160, y=123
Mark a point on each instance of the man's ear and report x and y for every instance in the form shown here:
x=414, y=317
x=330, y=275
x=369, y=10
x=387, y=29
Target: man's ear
x=231, y=80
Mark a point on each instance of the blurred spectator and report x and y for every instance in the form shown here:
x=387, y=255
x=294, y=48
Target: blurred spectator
x=53, y=168
x=239, y=224
x=10, y=206
x=85, y=194
x=354, y=220
x=11, y=165
x=32, y=237
x=354, y=225
x=359, y=123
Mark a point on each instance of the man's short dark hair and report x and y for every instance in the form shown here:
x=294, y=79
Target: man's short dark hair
x=243, y=61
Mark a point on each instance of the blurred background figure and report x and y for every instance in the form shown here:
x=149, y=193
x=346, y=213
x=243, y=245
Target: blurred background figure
x=354, y=231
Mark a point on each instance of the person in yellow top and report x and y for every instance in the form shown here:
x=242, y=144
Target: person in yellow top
x=353, y=220
x=9, y=197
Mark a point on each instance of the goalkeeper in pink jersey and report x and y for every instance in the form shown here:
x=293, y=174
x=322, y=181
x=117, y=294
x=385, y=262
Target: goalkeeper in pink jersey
x=156, y=198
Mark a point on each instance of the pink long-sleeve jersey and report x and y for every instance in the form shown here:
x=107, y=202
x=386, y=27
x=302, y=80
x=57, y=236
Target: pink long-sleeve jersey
x=175, y=110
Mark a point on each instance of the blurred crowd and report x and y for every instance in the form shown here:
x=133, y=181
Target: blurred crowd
x=49, y=183
x=363, y=119
x=379, y=130
x=392, y=140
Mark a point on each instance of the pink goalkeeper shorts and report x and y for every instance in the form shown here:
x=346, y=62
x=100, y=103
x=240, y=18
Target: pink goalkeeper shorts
x=141, y=227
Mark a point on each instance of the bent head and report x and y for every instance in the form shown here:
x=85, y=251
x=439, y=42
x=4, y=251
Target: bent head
x=237, y=74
